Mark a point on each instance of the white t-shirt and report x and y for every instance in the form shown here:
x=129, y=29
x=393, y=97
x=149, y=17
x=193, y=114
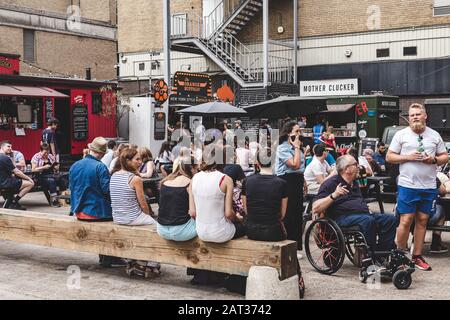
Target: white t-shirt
x=113, y=164
x=108, y=157
x=315, y=168
x=243, y=157
x=253, y=146
x=417, y=175
x=200, y=131
x=362, y=161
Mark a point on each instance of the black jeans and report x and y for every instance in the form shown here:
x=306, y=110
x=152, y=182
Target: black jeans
x=294, y=214
x=259, y=232
x=52, y=182
x=241, y=230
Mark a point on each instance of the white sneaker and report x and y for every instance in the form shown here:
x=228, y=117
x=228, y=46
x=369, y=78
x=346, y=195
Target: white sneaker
x=299, y=255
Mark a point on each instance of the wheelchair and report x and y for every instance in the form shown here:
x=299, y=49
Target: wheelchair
x=327, y=244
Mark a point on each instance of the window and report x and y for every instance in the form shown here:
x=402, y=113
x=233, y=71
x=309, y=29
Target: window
x=96, y=103
x=141, y=66
x=155, y=65
x=179, y=24
x=382, y=53
x=441, y=8
x=28, y=45
x=410, y=51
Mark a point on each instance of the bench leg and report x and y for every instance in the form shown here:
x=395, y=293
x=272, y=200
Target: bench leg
x=379, y=198
x=8, y=200
x=263, y=283
x=47, y=195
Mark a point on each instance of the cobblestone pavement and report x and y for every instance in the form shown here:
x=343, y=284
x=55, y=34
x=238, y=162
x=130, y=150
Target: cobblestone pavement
x=31, y=272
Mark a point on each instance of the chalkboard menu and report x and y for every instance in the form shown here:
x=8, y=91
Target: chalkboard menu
x=160, y=126
x=48, y=109
x=80, y=122
x=369, y=143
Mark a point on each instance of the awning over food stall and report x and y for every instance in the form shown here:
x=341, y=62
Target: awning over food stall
x=284, y=106
x=24, y=91
x=338, y=108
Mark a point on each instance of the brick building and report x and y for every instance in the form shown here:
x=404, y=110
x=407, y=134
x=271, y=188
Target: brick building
x=61, y=37
x=397, y=47
x=140, y=42
x=47, y=49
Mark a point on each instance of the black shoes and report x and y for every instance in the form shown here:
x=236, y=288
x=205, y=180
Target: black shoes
x=109, y=262
x=16, y=206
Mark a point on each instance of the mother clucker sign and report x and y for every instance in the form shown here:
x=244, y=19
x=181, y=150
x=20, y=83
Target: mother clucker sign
x=336, y=87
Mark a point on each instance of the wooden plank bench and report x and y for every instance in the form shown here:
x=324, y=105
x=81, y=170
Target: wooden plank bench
x=143, y=243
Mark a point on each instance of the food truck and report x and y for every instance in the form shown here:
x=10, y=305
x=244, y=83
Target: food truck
x=85, y=109
x=361, y=119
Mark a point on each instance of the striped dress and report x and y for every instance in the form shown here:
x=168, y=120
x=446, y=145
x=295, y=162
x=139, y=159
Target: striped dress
x=124, y=203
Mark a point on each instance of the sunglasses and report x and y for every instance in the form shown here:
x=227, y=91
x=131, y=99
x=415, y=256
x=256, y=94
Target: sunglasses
x=353, y=164
x=421, y=147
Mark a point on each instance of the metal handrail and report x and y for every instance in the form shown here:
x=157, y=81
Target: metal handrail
x=233, y=53
x=224, y=10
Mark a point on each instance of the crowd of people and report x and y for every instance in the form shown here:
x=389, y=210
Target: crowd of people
x=17, y=179
x=222, y=191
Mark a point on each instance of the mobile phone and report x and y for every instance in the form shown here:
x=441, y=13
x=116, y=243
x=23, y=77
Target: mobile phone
x=54, y=164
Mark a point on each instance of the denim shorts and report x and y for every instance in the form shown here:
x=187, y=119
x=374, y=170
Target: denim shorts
x=184, y=232
x=415, y=200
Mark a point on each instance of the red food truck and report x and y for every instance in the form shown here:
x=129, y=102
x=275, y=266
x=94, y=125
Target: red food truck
x=84, y=108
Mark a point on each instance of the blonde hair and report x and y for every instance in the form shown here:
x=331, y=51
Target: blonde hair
x=184, y=168
x=418, y=106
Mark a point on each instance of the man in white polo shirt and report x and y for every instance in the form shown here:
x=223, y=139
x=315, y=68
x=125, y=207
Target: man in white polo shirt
x=419, y=150
x=318, y=170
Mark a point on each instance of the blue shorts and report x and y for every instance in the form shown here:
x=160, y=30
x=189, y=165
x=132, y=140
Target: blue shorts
x=415, y=200
x=183, y=232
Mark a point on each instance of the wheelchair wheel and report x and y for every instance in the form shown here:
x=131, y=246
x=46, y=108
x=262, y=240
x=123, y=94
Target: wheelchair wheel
x=325, y=246
x=353, y=246
x=350, y=248
x=402, y=279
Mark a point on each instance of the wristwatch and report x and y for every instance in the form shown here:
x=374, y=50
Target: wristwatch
x=332, y=198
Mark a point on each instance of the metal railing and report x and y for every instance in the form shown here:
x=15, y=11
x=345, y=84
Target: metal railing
x=224, y=10
x=243, y=61
x=235, y=55
x=281, y=70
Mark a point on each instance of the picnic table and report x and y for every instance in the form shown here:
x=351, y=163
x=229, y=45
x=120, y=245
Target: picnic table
x=446, y=228
x=152, y=184
x=377, y=181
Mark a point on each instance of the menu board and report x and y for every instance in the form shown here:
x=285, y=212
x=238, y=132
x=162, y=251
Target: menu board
x=369, y=143
x=160, y=126
x=49, y=109
x=80, y=122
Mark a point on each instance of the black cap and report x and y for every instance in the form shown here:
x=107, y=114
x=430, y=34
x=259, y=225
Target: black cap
x=234, y=171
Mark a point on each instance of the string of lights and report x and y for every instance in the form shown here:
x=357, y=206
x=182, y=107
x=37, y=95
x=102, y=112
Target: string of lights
x=50, y=72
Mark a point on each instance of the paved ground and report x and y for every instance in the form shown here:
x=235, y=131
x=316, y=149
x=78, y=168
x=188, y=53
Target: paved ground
x=31, y=272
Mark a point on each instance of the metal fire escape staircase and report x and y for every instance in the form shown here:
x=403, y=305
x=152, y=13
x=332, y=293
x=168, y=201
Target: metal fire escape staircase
x=215, y=36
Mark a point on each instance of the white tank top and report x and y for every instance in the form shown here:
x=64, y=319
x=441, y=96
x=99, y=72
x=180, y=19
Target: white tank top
x=212, y=226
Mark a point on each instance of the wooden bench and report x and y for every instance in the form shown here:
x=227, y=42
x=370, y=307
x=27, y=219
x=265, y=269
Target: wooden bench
x=143, y=243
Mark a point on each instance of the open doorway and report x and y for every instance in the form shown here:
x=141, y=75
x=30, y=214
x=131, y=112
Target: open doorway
x=62, y=113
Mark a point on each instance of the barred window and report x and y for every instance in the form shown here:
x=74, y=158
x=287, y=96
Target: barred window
x=29, y=45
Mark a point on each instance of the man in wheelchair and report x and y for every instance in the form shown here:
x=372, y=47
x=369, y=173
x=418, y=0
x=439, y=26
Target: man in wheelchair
x=340, y=199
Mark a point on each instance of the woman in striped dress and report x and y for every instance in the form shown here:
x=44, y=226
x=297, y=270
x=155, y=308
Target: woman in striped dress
x=128, y=203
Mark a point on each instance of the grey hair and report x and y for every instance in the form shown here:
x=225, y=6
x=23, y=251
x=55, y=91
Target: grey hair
x=342, y=163
x=368, y=152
